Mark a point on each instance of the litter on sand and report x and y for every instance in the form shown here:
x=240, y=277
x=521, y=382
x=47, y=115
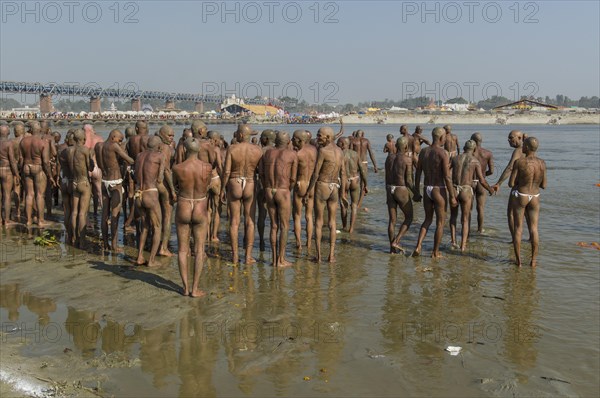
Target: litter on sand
x=453, y=350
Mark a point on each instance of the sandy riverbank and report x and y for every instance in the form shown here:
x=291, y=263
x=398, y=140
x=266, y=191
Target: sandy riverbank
x=486, y=118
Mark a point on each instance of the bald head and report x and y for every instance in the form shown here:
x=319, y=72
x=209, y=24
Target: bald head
x=531, y=144
x=282, y=139
x=129, y=132
x=166, y=134
x=267, y=137
x=115, y=136
x=34, y=127
x=4, y=130
x=343, y=142
x=470, y=146
x=477, y=137
x=19, y=129
x=79, y=136
x=325, y=136
x=515, y=138
x=141, y=127
x=192, y=146
x=404, y=129
x=402, y=144
x=243, y=132
x=438, y=134
x=198, y=128
x=154, y=142
x=448, y=128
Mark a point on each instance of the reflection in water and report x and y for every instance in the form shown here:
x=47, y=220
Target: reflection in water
x=158, y=353
x=521, y=331
x=84, y=329
x=10, y=298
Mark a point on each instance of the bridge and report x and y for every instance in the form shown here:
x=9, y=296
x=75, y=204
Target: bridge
x=96, y=93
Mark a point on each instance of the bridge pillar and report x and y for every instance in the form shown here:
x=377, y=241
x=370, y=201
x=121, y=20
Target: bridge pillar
x=136, y=104
x=46, y=103
x=200, y=107
x=169, y=104
x=95, y=104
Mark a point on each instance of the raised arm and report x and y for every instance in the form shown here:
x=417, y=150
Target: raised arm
x=341, y=132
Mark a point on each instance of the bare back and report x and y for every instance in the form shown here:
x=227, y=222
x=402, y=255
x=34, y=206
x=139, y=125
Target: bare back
x=279, y=167
x=243, y=159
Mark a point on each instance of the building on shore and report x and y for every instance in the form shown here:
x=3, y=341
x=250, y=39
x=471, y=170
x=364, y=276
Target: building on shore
x=527, y=105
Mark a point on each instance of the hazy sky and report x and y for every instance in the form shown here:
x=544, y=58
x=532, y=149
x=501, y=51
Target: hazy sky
x=346, y=51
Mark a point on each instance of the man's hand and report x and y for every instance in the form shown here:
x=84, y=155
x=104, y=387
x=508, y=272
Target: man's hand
x=417, y=197
x=365, y=190
x=375, y=169
x=453, y=202
x=496, y=188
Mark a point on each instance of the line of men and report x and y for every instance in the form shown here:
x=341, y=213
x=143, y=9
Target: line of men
x=457, y=178
x=292, y=173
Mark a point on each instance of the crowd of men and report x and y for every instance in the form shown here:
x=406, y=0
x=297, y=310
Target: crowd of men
x=148, y=176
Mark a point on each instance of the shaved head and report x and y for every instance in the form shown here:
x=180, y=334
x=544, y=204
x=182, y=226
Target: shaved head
x=438, y=133
x=470, y=146
x=477, y=138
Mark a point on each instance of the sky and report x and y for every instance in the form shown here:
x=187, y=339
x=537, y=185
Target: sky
x=327, y=51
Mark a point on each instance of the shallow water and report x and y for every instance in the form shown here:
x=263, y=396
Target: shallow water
x=372, y=324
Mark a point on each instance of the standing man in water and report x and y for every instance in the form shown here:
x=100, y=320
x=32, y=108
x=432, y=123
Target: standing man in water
x=149, y=174
x=36, y=167
x=80, y=164
x=515, y=140
x=192, y=177
x=399, y=185
x=466, y=174
x=419, y=140
x=66, y=183
x=486, y=159
x=527, y=177
x=330, y=170
x=433, y=163
x=307, y=158
x=362, y=146
x=9, y=172
x=356, y=179
x=451, y=143
x=19, y=131
x=278, y=169
x=166, y=190
x=91, y=139
x=267, y=142
x=112, y=186
x=241, y=161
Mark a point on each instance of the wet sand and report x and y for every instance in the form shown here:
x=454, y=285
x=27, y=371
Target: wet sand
x=373, y=324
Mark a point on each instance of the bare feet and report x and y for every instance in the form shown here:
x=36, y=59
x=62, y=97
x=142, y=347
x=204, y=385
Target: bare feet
x=533, y=263
x=436, y=255
x=118, y=249
x=416, y=252
x=197, y=293
x=153, y=264
x=215, y=239
x=250, y=260
x=185, y=291
x=331, y=258
x=165, y=253
x=284, y=263
x=395, y=248
x=317, y=259
x=140, y=261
